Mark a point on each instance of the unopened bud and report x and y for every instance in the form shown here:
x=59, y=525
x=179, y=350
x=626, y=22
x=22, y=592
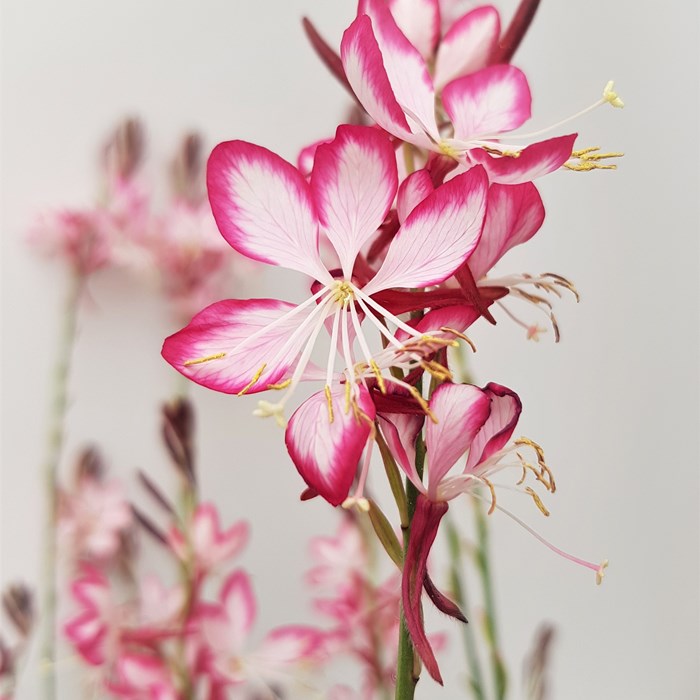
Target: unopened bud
x=187, y=169
x=18, y=603
x=123, y=152
x=178, y=435
x=89, y=466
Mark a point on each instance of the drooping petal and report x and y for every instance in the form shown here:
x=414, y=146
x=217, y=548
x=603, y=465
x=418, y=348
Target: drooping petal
x=468, y=45
x=225, y=346
x=533, y=161
x=497, y=430
x=461, y=411
x=326, y=452
x=419, y=21
x=514, y=214
x=353, y=183
x=491, y=101
x=263, y=207
x=238, y=600
x=413, y=190
x=437, y=237
x=365, y=71
x=407, y=72
x=424, y=528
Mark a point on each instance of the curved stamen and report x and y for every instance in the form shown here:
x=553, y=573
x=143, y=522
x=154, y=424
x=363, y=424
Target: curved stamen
x=598, y=568
x=378, y=307
x=334, y=347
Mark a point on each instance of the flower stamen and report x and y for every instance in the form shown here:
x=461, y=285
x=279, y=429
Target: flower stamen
x=201, y=360
x=253, y=381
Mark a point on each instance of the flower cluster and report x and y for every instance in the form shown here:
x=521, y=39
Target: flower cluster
x=130, y=230
x=398, y=227
x=148, y=637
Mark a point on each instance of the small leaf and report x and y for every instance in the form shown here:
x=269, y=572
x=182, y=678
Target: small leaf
x=385, y=533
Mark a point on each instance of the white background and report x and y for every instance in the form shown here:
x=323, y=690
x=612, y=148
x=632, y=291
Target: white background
x=615, y=403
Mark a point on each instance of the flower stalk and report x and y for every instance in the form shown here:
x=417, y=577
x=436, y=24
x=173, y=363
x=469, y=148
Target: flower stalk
x=407, y=669
x=54, y=450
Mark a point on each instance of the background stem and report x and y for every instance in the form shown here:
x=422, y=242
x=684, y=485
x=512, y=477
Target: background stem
x=476, y=680
x=54, y=449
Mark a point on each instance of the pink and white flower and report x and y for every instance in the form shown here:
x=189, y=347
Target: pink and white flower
x=392, y=82
x=139, y=676
x=224, y=629
x=480, y=423
x=205, y=545
x=93, y=518
x=267, y=211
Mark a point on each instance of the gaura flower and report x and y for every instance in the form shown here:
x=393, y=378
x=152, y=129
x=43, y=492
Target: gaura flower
x=141, y=676
x=224, y=630
x=479, y=422
x=391, y=80
x=267, y=211
x=205, y=544
x=514, y=214
x=456, y=43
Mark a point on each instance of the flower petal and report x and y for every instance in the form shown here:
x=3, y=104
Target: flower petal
x=400, y=431
x=419, y=21
x=461, y=411
x=288, y=645
x=491, y=101
x=217, y=348
x=497, y=430
x=514, y=214
x=407, y=72
x=534, y=161
x=413, y=190
x=353, y=184
x=326, y=452
x=263, y=207
x=238, y=600
x=437, y=237
x=364, y=67
x=468, y=45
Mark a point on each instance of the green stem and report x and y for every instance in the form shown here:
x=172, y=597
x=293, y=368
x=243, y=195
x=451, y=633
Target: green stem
x=500, y=675
x=460, y=595
x=406, y=675
x=54, y=449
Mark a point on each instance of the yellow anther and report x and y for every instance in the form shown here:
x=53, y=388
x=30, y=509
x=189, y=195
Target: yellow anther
x=435, y=369
x=281, y=385
x=348, y=389
x=587, y=159
x=253, y=381
x=201, y=360
x=378, y=374
x=610, y=96
x=329, y=402
x=423, y=403
x=502, y=152
x=448, y=150
x=492, y=507
x=538, y=501
x=343, y=292
x=447, y=329
x=600, y=574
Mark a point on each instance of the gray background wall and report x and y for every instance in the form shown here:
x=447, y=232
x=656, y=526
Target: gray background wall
x=615, y=403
